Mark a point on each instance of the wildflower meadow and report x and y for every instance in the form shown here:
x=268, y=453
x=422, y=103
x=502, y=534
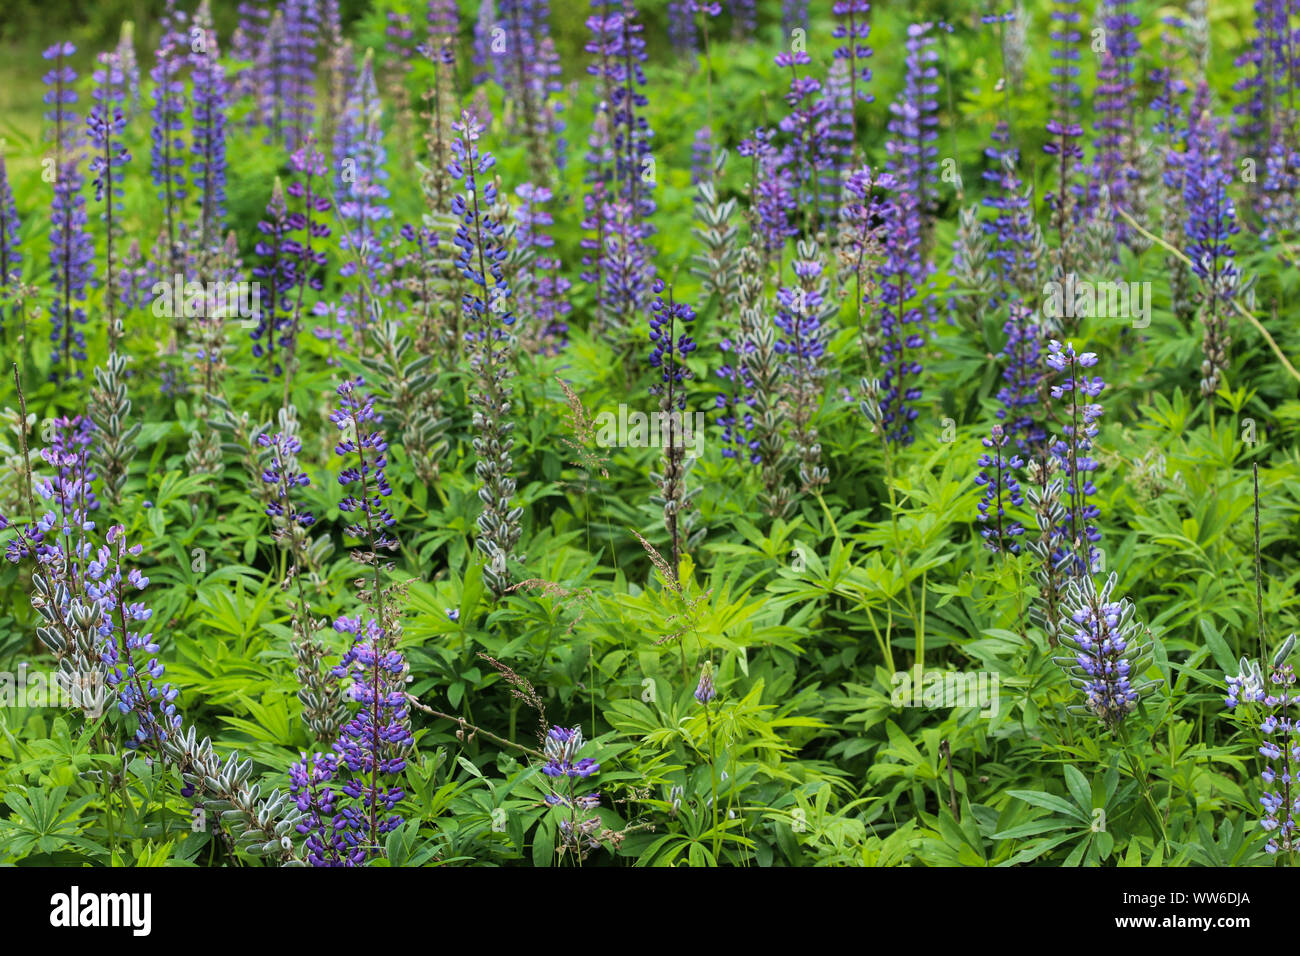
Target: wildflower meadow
x=649, y=433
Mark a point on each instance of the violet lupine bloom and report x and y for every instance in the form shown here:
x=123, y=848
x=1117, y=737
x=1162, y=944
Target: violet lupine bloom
x=1108, y=647
x=1072, y=450
x=1012, y=227
x=1269, y=710
x=853, y=28
x=681, y=25
x=1211, y=213
x=773, y=192
x=1063, y=130
x=561, y=749
x=72, y=250
x=105, y=126
x=359, y=149
x=208, y=139
x=744, y=17
x=166, y=157
x=794, y=15
x=1114, y=105
x=913, y=128
x=245, y=48
x=702, y=156
x=1274, y=62
x=997, y=476
x=374, y=744
x=129, y=650
x=1019, y=392
x=282, y=473
x=807, y=125
x=528, y=78
x=293, y=60
x=359, y=423
x=11, y=257
x=546, y=299
x=902, y=320
x=327, y=832
x=619, y=49
x=443, y=20
x=704, y=690
x=484, y=26
x=277, y=274
x=671, y=346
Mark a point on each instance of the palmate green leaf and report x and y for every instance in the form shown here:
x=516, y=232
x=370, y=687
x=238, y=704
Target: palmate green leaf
x=1050, y=802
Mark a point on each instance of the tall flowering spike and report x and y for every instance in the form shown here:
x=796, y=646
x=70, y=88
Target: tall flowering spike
x=802, y=310
x=545, y=301
x=1109, y=647
x=443, y=19
x=837, y=144
x=772, y=193
x=902, y=320
x=1072, y=452
x=997, y=476
x=1211, y=224
x=913, y=129
x=530, y=80
x=1271, y=71
x=578, y=834
x=105, y=126
x=362, y=443
x=481, y=258
x=671, y=341
x=208, y=138
x=1012, y=229
x=278, y=276
x=1115, y=107
x=744, y=17
x=794, y=15
x=1020, y=377
x=292, y=92
x=72, y=250
x=167, y=159
x=134, y=671
x=853, y=29
x=626, y=203
x=246, y=45
x=11, y=257
x=1063, y=129
x=807, y=125
x=361, y=178
x=1266, y=703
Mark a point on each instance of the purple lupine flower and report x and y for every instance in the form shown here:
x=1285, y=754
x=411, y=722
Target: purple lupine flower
x=1108, y=647
x=443, y=20
x=681, y=25
x=166, y=158
x=1211, y=224
x=1114, y=106
x=282, y=472
x=72, y=250
x=362, y=437
x=1012, y=227
x=130, y=67
x=772, y=201
x=1020, y=377
x=104, y=126
x=702, y=156
x=359, y=151
x=997, y=476
x=1269, y=710
x=744, y=17
x=133, y=671
x=293, y=60
x=478, y=236
x=853, y=28
x=545, y=300
x=561, y=749
x=902, y=319
x=1071, y=452
x=1274, y=62
x=11, y=257
x=528, y=78
x=672, y=343
x=208, y=139
x=277, y=274
x=837, y=142
x=806, y=124
x=327, y=833
x=704, y=690
x=375, y=743
x=626, y=269
x=485, y=27
x=1063, y=130
x=913, y=128
x=246, y=45
x=794, y=16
